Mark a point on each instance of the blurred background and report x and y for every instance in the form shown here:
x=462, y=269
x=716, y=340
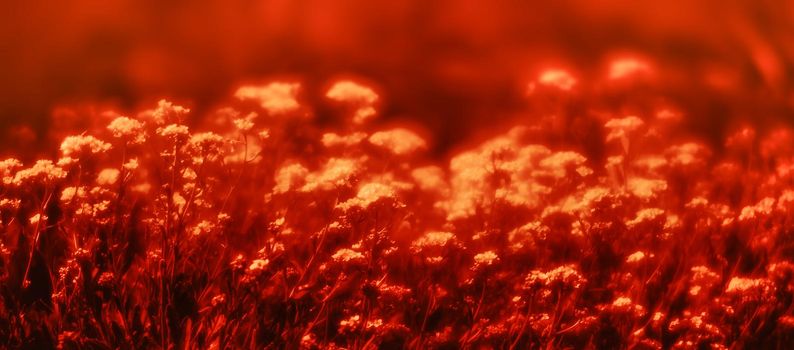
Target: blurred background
x=453, y=66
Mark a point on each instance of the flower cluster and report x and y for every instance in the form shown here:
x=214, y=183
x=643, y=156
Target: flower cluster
x=264, y=228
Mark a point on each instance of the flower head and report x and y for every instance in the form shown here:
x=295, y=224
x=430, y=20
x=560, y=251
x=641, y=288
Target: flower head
x=361, y=97
x=277, y=98
x=336, y=172
x=7, y=168
x=645, y=188
x=290, y=177
x=176, y=132
x=257, y=266
x=558, y=78
x=738, y=285
x=206, y=145
x=128, y=128
x=398, y=141
x=620, y=128
x=434, y=239
x=636, y=257
x=369, y=194
x=486, y=258
x=43, y=171
x=627, y=67
x=107, y=176
x=82, y=144
x=565, y=276
x=331, y=139
x=352, y=92
x=168, y=112
x=347, y=255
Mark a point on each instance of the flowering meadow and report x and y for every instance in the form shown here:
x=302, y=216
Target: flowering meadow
x=589, y=225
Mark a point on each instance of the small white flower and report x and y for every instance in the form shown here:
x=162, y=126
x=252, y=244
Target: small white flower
x=131, y=129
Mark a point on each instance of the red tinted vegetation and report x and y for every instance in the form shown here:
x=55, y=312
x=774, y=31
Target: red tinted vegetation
x=265, y=229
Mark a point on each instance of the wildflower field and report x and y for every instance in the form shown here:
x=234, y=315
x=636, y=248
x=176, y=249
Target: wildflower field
x=263, y=227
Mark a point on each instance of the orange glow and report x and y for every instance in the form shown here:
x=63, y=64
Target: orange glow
x=399, y=175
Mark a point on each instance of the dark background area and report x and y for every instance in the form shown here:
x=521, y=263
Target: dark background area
x=453, y=66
